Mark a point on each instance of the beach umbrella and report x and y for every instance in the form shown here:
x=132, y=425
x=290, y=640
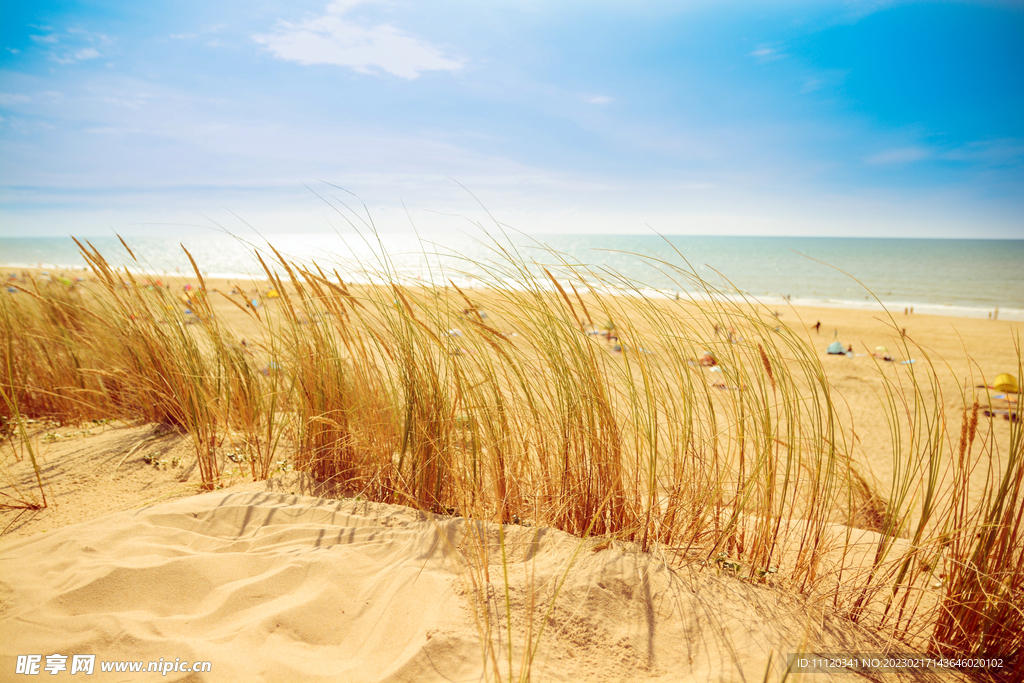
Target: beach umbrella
x=1006, y=382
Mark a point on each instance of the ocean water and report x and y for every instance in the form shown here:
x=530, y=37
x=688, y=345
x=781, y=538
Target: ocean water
x=969, y=278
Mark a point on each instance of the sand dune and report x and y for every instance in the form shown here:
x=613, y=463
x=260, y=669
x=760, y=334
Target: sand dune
x=272, y=587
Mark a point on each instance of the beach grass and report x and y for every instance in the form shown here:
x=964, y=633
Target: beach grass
x=557, y=395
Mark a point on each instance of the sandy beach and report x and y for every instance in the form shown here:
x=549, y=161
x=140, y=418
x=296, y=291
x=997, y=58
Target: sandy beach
x=279, y=580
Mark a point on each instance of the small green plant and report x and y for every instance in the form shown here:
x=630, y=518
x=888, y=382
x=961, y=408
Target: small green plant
x=723, y=561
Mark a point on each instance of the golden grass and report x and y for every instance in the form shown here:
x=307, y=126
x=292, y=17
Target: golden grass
x=499, y=404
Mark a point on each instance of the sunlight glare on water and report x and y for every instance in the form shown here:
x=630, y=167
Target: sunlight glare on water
x=953, y=277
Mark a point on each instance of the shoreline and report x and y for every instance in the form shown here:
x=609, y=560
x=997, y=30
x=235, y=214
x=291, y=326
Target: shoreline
x=895, y=308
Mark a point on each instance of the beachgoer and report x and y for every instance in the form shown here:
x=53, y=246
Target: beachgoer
x=817, y=328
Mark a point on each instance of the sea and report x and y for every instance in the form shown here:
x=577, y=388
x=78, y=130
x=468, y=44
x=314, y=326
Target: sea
x=964, y=277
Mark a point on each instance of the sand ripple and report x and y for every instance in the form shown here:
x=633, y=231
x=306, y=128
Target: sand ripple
x=273, y=587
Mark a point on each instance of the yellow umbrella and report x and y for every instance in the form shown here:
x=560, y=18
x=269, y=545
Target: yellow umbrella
x=1006, y=382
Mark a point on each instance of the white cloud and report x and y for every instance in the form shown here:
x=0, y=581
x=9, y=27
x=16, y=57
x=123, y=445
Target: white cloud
x=599, y=99
x=998, y=152
x=767, y=53
x=334, y=39
x=137, y=102
x=825, y=79
x=811, y=84
x=76, y=56
x=207, y=28
x=8, y=99
x=902, y=155
x=110, y=130
x=67, y=47
x=858, y=9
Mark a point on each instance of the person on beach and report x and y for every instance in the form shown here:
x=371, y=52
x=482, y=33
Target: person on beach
x=817, y=328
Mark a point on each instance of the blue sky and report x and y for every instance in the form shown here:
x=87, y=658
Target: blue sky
x=781, y=118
